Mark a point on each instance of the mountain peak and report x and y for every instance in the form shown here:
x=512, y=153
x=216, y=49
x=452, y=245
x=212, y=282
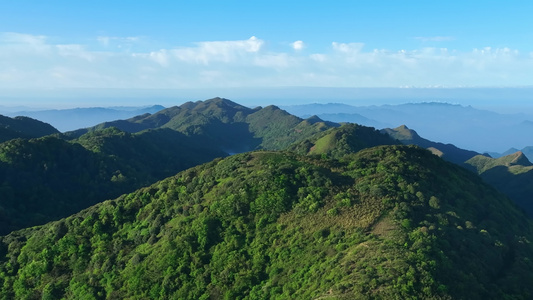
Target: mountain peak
x=402, y=127
x=518, y=158
x=402, y=133
x=313, y=119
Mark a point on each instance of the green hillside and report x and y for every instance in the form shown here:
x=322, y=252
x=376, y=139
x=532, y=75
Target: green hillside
x=52, y=177
x=448, y=152
x=483, y=163
x=49, y=178
x=227, y=125
x=511, y=175
x=23, y=127
x=391, y=222
x=339, y=141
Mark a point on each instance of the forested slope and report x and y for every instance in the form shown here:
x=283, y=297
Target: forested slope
x=52, y=177
x=511, y=174
x=388, y=222
x=49, y=178
x=23, y=127
x=448, y=152
x=225, y=124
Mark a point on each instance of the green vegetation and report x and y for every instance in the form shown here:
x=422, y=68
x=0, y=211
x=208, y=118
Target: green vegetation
x=448, y=152
x=338, y=142
x=511, y=175
x=388, y=222
x=226, y=125
x=52, y=177
x=23, y=127
x=49, y=178
x=331, y=217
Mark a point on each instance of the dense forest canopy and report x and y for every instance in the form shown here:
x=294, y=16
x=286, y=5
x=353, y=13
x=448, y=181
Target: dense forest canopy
x=391, y=221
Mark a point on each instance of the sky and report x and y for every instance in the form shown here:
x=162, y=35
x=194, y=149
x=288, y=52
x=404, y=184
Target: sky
x=226, y=45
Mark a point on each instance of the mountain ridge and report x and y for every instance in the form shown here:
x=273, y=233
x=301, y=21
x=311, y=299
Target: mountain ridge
x=446, y=151
x=382, y=223
x=464, y=126
x=75, y=118
x=23, y=127
x=334, y=214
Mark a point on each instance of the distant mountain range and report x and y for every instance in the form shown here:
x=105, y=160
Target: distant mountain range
x=463, y=126
x=71, y=119
x=527, y=151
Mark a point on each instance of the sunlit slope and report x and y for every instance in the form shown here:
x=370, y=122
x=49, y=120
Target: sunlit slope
x=339, y=141
x=227, y=125
x=388, y=222
x=448, y=152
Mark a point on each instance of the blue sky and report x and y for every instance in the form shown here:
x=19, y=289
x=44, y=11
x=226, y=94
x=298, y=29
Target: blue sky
x=246, y=44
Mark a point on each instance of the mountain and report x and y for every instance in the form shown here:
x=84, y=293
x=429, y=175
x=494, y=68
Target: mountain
x=446, y=151
x=52, y=177
x=387, y=222
x=464, y=126
x=72, y=119
x=527, y=151
x=340, y=141
x=353, y=118
x=49, y=178
x=511, y=175
x=232, y=127
x=483, y=163
x=23, y=127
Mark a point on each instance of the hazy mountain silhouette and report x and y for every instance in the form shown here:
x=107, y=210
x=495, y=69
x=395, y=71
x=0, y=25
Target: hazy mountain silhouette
x=71, y=119
x=527, y=151
x=463, y=126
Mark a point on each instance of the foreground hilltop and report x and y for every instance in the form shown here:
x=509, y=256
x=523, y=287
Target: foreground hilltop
x=387, y=222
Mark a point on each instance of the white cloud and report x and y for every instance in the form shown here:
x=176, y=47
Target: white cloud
x=23, y=43
x=218, y=51
x=28, y=61
x=160, y=57
x=298, y=45
x=351, y=48
x=75, y=51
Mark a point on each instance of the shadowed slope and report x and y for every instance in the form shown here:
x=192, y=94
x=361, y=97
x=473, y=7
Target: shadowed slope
x=23, y=127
